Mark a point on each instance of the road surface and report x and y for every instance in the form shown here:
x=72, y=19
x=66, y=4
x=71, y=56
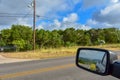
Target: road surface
x=50, y=69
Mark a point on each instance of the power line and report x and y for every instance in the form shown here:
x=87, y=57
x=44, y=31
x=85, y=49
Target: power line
x=16, y=16
x=20, y=14
x=13, y=14
x=23, y=15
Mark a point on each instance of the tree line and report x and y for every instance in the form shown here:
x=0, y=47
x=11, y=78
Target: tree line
x=20, y=36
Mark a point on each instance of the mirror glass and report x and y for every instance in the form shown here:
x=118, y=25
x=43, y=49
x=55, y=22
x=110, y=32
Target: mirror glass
x=93, y=60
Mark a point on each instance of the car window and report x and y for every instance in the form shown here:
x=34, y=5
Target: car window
x=50, y=32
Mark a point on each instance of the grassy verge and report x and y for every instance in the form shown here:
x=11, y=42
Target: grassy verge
x=55, y=53
x=42, y=53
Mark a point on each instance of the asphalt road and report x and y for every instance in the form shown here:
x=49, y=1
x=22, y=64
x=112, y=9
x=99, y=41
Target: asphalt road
x=51, y=69
x=117, y=52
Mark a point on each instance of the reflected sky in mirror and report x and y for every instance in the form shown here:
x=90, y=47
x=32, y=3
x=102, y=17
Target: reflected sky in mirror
x=92, y=54
x=93, y=60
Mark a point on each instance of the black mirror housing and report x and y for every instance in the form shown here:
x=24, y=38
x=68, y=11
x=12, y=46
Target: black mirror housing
x=116, y=69
x=112, y=62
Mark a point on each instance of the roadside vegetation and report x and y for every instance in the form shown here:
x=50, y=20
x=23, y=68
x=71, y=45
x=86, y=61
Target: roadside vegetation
x=19, y=38
x=54, y=52
x=17, y=41
x=42, y=53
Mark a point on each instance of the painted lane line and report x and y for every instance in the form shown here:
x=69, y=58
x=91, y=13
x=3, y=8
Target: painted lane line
x=36, y=71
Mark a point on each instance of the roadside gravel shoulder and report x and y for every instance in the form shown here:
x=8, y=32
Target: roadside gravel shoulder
x=4, y=60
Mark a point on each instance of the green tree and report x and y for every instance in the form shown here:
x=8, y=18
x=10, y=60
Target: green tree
x=2, y=43
x=42, y=37
x=21, y=36
x=20, y=44
x=69, y=36
x=111, y=35
x=85, y=40
x=80, y=37
x=6, y=35
x=56, y=39
x=21, y=32
x=94, y=35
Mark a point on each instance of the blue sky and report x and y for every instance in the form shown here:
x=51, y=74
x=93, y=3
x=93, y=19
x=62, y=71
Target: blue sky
x=62, y=14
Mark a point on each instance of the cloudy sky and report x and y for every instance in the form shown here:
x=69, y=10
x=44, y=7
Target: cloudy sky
x=61, y=14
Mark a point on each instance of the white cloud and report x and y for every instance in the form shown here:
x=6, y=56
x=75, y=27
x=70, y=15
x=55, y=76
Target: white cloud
x=43, y=8
x=4, y=27
x=73, y=17
x=67, y=22
x=90, y=21
x=91, y=3
x=96, y=24
x=110, y=14
x=11, y=8
x=40, y=27
x=57, y=23
x=112, y=9
x=114, y=1
x=52, y=6
x=107, y=16
x=85, y=27
x=23, y=21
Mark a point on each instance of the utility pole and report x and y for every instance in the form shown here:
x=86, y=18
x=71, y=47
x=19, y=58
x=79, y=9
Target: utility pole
x=34, y=22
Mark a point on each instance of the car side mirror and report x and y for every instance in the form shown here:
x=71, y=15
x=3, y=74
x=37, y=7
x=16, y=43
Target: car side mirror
x=93, y=60
x=99, y=61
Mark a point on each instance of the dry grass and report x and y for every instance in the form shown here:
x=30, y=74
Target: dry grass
x=42, y=53
x=55, y=53
x=110, y=46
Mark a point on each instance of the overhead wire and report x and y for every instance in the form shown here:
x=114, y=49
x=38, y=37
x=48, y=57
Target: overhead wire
x=23, y=15
x=13, y=14
x=17, y=15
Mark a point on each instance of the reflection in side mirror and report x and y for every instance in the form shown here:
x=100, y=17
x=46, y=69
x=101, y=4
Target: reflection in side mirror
x=95, y=60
